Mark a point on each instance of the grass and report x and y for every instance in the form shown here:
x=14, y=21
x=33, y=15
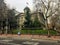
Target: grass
x=41, y=32
x=53, y=32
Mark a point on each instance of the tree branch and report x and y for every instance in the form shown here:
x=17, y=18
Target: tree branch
x=43, y=4
x=52, y=13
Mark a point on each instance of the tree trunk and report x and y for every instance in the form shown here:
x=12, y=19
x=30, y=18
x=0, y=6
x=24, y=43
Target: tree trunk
x=6, y=30
x=2, y=30
x=46, y=25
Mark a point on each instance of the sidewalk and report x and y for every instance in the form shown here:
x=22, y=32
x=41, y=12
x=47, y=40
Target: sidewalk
x=38, y=37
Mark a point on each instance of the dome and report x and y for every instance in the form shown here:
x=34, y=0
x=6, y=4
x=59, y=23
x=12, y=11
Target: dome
x=26, y=8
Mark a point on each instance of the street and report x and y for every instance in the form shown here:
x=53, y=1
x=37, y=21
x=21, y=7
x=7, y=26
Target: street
x=7, y=41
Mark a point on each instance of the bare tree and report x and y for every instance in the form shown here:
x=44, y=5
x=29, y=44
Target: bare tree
x=3, y=13
x=49, y=8
x=55, y=21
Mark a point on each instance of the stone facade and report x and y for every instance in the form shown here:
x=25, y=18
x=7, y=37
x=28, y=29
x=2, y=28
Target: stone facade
x=21, y=18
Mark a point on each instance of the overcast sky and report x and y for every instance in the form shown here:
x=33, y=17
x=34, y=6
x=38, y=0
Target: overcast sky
x=19, y=4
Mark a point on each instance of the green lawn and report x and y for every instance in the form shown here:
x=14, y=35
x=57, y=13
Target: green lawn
x=42, y=32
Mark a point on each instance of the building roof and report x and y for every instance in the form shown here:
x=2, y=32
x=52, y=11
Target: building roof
x=20, y=14
x=26, y=8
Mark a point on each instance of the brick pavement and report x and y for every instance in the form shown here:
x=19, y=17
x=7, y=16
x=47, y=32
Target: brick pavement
x=30, y=37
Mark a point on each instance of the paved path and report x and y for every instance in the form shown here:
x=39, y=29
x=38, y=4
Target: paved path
x=10, y=41
x=30, y=37
x=29, y=40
